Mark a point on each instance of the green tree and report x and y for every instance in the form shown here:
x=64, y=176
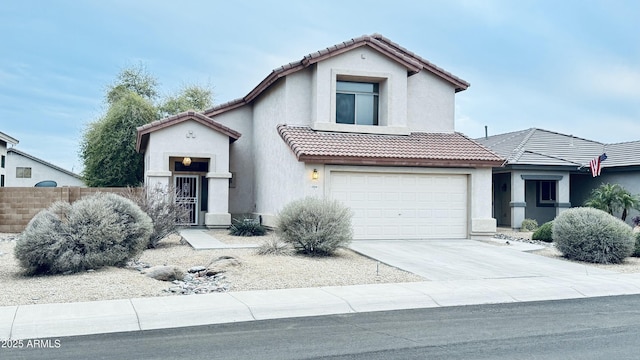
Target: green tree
x=133, y=79
x=191, y=97
x=613, y=198
x=108, y=144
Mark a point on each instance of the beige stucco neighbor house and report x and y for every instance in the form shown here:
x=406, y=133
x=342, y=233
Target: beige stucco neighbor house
x=5, y=141
x=366, y=122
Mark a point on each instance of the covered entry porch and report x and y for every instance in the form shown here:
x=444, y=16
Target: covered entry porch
x=189, y=152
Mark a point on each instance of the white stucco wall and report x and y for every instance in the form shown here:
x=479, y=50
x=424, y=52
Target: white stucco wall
x=39, y=172
x=241, y=162
x=298, y=98
x=173, y=141
x=430, y=103
x=278, y=175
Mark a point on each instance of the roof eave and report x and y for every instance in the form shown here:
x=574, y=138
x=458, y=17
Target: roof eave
x=378, y=161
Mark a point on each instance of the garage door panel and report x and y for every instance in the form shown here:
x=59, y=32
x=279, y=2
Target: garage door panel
x=403, y=206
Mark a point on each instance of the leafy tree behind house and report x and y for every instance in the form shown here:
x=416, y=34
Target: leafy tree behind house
x=613, y=198
x=108, y=144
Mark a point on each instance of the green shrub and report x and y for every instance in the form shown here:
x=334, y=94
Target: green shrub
x=315, y=226
x=99, y=230
x=592, y=235
x=636, y=249
x=247, y=227
x=159, y=203
x=544, y=232
x=529, y=225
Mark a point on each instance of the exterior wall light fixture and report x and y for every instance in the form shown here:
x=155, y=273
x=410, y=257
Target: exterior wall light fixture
x=314, y=174
x=186, y=161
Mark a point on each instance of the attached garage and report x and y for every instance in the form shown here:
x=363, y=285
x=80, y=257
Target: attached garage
x=396, y=206
x=415, y=186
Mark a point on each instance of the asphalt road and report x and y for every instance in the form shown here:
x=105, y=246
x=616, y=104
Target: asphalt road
x=595, y=328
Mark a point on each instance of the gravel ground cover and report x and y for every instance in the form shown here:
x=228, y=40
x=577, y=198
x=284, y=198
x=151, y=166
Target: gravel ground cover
x=256, y=272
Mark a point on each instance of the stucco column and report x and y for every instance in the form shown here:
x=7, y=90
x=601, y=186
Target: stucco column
x=563, y=202
x=483, y=226
x=218, y=215
x=518, y=203
x=157, y=179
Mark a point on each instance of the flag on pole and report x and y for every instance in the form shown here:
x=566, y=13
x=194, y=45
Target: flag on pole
x=596, y=164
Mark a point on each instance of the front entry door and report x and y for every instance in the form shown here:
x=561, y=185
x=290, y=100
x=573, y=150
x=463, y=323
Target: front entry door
x=187, y=196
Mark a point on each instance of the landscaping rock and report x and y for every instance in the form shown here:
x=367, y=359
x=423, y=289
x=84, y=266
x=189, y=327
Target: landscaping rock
x=223, y=262
x=196, y=269
x=165, y=273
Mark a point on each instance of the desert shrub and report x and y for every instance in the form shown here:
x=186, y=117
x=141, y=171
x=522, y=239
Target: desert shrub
x=274, y=246
x=247, y=227
x=159, y=203
x=529, y=225
x=96, y=231
x=592, y=235
x=315, y=226
x=544, y=233
x=636, y=248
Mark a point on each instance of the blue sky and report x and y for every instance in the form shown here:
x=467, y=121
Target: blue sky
x=566, y=66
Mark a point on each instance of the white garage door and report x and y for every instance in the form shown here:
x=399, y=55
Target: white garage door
x=403, y=206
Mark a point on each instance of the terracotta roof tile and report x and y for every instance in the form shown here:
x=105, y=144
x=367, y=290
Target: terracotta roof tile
x=416, y=149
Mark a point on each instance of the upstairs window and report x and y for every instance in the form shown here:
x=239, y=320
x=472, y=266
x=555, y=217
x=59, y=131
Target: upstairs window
x=2, y=165
x=356, y=103
x=23, y=172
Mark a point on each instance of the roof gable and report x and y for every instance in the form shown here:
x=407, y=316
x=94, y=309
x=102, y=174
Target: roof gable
x=8, y=139
x=411, y=61
x=45, y=163
x=145, y=130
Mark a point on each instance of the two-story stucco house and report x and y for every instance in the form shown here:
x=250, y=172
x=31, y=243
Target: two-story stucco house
x=366, y=122
x=5, y=141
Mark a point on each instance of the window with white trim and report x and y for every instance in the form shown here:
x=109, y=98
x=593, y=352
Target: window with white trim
x=23, y=172
x=357, y=103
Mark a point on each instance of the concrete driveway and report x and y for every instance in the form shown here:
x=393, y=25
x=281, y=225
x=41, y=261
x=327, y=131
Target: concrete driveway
x=442, y=260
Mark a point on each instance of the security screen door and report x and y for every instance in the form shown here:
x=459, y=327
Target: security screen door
x=187, y=196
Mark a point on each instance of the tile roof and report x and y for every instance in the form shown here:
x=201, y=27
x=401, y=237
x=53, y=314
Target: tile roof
x=622, y=154
x=535, y=146
x=416, y=149
x=411, y=61
x=145, y=130
x=543, y=147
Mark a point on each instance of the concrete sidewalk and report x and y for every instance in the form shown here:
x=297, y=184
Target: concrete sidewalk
x=57, y=320
x=461, y=273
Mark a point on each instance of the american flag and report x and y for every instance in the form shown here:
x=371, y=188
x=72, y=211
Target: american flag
x=596, y=164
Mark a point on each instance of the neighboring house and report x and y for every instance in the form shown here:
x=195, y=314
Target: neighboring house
x=366, y=122
x=547, y=172
x=24, y=170
x=5, y=141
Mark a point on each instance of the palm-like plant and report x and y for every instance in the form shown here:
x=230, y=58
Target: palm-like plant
x=613, y=198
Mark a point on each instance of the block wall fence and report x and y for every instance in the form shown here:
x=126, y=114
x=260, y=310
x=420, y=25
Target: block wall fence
x=18, y=205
